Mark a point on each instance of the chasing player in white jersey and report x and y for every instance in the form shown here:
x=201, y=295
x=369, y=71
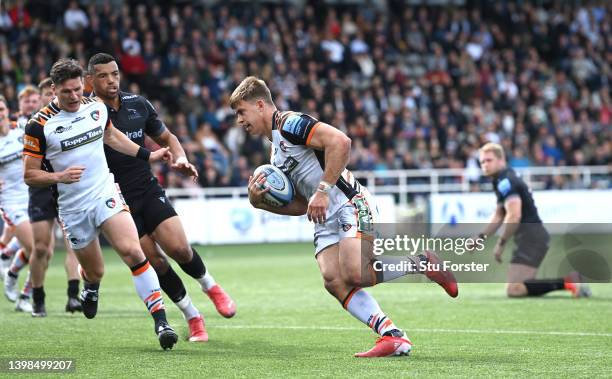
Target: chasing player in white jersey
x=70, y=133
x=13, y=205
x=314, y=156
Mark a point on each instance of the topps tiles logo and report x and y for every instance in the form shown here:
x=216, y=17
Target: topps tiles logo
x=82, y=139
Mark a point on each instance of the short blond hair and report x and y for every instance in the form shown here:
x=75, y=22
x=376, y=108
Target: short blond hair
x=251, y=88
x=494, y=148
x=28, y=91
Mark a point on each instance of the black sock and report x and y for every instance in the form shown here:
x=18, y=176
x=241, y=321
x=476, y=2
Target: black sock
x=91, y=286
x=159, y=317
x=38, y=295
x=195, y=268
x=538, y=287
x=73, y=288
x=172, y=285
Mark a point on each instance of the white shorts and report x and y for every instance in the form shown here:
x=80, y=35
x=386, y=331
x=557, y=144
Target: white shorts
x=13, y=214
x=83, y=227
x=355, y=219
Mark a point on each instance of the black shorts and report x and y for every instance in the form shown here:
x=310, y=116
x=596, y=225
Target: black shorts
x=42, y=205
x=149, y=208
x=532, y=243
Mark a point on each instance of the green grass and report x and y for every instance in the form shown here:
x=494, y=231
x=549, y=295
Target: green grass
x=288, y=326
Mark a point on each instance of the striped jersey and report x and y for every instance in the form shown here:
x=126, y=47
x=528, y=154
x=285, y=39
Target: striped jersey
x=67, y=139
x=291, y=133
x=13, y=189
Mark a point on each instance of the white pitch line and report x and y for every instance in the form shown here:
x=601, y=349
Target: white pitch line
x=469, y=331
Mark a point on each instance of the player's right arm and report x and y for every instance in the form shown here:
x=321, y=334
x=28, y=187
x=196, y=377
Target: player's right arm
x=34, y=148
x=496, y=220
x=297, y=207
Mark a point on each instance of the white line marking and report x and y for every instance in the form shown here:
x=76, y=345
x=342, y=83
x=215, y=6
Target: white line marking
x=469, y=331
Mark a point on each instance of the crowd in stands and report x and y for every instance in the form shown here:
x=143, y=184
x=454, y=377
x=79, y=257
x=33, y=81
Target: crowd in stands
x=413, y=86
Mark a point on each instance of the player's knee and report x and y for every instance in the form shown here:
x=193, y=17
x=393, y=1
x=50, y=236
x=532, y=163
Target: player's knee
x=181, y=253
x=42, y=251
x=159, y=262
x=516, y=290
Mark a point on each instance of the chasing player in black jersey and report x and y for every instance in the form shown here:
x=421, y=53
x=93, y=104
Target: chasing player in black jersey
x=155, y=218
x=516, y=210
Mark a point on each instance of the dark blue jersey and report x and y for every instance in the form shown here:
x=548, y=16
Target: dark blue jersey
x=508, y=184
x=136, y=118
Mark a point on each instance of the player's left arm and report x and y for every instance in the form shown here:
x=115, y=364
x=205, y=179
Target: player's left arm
x=120, y=142
x=337, y=148
x=512, y=219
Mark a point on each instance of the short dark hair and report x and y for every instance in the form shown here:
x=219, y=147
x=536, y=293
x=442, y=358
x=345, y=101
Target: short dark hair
x=100, y=58
x=65, y=69
x=45, y=83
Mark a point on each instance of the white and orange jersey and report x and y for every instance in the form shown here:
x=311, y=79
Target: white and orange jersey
x=13, y=190
x=67, y=139
x=291, y=133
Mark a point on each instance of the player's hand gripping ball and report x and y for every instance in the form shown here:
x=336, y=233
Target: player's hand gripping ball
x=280, y=191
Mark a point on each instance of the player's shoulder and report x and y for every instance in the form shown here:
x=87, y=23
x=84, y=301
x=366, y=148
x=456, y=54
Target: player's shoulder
x=290, y=120
x=44, y=115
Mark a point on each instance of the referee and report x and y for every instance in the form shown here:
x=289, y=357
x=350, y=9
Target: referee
x=516, y=210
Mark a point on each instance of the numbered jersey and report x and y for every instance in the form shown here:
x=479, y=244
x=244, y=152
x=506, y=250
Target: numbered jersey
x=13, y=189
x=69, y=139
x=291, y=133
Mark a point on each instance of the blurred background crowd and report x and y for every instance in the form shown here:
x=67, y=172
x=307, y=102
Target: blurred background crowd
x=413, y=86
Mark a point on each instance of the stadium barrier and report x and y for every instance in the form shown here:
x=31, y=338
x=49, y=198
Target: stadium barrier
x=223, y=215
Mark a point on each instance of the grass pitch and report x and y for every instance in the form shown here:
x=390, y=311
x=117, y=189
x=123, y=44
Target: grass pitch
x=288, y=326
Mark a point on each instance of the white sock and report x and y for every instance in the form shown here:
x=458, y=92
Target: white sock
x=364, y=308
x=147, y=285
x=207, y=281
x=186, y=306
x=402, y=266
x=12, y=247
x=19, y=262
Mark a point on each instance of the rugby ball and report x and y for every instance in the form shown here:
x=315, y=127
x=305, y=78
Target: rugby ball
x=281, y=189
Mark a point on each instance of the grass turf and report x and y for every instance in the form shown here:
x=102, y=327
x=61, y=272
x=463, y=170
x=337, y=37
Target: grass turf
x=288, y=326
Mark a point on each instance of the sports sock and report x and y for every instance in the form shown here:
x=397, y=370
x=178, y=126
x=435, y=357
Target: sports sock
x=197, y=270
x=364, y=308
x=401, y=266
x=538, y=287
x=38, y=295
x=90, y=286
x=147, y=286
x=18, y=263
x=26, y=292
x=9, y=250
x=173, y=286
x=186, y=306
x=73, y=288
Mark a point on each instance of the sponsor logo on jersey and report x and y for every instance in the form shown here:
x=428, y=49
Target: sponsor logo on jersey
x=504, y=186
x=95, y=115
x=61, y=129
x=133, y=114
x=74, y=240
x=80, y=118
x=162, y=199
x=129, y=97
x=346, y=227
x=31, y=143
x=111, y=203
x=82, y=139
x=135, y=134
x=289, y=165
